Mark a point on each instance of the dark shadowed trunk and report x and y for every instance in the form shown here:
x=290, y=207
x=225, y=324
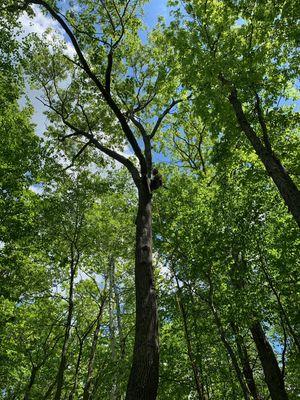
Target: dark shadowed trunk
x=283, y=315
x=75, y=378
x=196, y=372
x=143, y=379
x=226, y=343
x=34, y=370
x=244, y=358
x=112, y=330
x=287, y=188
x=81, y=340
x=273, y=376
x=90, y=374
x=272, y=373
x=49, y=390
x=231, y=353
x=63, y=357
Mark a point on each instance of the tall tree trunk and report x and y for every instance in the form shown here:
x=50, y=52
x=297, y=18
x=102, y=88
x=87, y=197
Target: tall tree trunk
x=272, y=373
x=197, y=377
x=34, y=370
x=286, y=186
x=226, y=343
x=112, y=333
x=119, y=322
x=273, y=376
x=231, y=353
x=244, y=358
x=88, y=384
x=63, y=358
x=81, y=340
x=75, y=378
x=49, y=390
x=144, y=374
x=283, y=315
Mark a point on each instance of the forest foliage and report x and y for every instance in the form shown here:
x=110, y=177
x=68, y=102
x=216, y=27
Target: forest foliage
x=112, y=287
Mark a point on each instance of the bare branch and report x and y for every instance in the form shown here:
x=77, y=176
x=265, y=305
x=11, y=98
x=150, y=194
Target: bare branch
x=109, y=100
x=262, y=123
x=162, y=116
x=103, y=2
x=77, y=155
x=109, y=152
x=63, y=138
x=138, y=124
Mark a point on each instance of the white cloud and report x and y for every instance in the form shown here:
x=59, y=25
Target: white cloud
x=40, y=23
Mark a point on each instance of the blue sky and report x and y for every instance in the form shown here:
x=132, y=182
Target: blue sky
x=153, y=9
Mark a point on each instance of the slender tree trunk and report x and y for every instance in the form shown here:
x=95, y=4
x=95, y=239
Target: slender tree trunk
x=273, y=376
x=75, y=379
x=63, y=358
x=88, y=384
x=226, y=343
x=199, y=350
x=119, y=322
x=34, y=370
x=234, y=394
x=244, y=358
x=286, y=186
x=272, y=373
x=112, y=333
x=49, y=390
x=197, y=377
x=231, y=353
x=144, y=374
x=283, y=315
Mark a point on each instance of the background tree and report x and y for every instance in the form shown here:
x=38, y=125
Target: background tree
x=241, y=61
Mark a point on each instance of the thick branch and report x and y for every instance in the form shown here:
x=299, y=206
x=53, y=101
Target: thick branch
x=78, y=154
x=109, y=152
x=162, y=116
x=109, y=100
x=108, y=71
x=262, y=123
x=244, y=123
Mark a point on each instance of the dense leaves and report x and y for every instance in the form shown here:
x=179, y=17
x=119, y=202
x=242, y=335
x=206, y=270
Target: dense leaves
x=213, y=94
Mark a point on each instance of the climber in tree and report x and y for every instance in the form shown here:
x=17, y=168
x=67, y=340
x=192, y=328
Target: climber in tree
x=156, y=180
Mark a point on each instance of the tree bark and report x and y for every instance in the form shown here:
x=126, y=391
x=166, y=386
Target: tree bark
x=63, y=358
x=272, y=373
x=119, y=321
x=144, y=374
x=282, y=313
x=75, y=378
x=244, y=358
x=34, y=370
x=88, y=384
x=273, y=376
x=286, y=186
x=231, y=354
x=112, y=331
x=226, y=343
x=197, y=377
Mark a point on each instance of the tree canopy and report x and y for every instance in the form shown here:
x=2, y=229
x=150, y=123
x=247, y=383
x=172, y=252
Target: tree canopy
x=149, y=239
